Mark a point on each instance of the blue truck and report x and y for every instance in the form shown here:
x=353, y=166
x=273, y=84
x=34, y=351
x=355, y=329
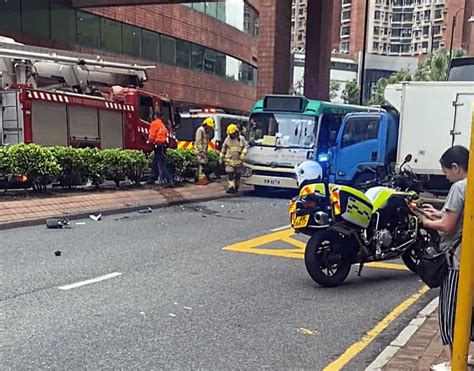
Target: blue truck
x=423, y=119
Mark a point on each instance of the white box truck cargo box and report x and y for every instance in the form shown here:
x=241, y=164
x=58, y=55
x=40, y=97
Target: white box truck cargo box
x=433, y=117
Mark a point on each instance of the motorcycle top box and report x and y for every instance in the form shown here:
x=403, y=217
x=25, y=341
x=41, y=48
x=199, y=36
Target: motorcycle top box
x=347, y=204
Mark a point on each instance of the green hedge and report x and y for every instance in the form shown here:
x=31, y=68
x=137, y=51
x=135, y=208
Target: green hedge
x=75, y=166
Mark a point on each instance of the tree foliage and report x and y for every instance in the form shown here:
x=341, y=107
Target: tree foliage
x=434, y=68
x=351, y=92
x=334, y=87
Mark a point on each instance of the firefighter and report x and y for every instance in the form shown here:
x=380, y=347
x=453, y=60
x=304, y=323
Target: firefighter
x=158, y=135
x=233, y=153
x=203, y=134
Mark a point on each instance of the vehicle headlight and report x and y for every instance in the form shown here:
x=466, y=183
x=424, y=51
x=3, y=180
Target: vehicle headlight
x=247, y=172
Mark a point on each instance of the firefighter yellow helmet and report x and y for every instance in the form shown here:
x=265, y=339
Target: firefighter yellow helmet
x=231, y=129
x=209, y=122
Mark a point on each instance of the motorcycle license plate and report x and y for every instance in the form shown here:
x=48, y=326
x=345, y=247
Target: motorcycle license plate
x=301, y=221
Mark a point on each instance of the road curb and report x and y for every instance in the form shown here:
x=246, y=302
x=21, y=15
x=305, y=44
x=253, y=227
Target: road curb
x=402, y=339
x=120, y=210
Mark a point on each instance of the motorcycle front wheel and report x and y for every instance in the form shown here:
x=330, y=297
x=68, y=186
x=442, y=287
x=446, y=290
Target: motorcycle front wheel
x=324, y=258
x=410, y=259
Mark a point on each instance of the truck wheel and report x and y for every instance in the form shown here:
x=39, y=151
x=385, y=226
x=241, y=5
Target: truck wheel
x=326, y=261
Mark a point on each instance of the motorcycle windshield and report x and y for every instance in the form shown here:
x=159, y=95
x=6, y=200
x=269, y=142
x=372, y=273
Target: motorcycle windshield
x=281, y=130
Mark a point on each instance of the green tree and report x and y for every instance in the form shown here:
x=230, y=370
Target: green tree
x=334, y=87
x=351, y=92
x=435, y=67
x=298, y=88
x=379, y=89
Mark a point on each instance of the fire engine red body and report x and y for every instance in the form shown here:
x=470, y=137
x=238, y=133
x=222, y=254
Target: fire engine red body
x=94, y=111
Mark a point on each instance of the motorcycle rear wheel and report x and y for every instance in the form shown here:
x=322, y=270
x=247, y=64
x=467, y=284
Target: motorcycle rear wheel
x=327, y=266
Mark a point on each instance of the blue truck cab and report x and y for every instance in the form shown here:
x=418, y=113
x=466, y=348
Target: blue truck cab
x=364, y=138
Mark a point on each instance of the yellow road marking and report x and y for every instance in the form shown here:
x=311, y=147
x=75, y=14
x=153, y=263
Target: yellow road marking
x=356, y=348
x=382, y=265
x=255, y=246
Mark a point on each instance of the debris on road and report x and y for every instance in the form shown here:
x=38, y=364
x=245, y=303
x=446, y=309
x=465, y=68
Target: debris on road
x=148, y=210
x=171, y=314
x=123, y=217
x=80, y=223
x=58, y=223
x=57, y=253
x=305, y=331
x=95, y=218
x=188, y=308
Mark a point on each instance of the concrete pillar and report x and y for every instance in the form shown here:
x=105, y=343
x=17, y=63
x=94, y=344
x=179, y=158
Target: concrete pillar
x=468, y=28
x=318, y=49
x=274, y=47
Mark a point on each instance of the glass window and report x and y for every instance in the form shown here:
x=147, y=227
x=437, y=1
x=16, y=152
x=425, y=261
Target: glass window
x=88, y=30
x=210, y=61
x=132, y=40
x=220, y=64
x=235, y=14
x=63, y=23
x=151, y=46
x=200, y=7
x=232, y=68
x=168, y=50
x=10, y=15
x=221, y=11
x=360, y=130
x=291, y=130
x=35, y=18
x=197, y=57
x=243, y=72
x=183, y=54
x=111, y=35
x=211, y=9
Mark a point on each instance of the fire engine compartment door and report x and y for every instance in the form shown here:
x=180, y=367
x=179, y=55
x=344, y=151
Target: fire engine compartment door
x=83, y=123
x=49, y=124
x=111, y=129
x=11, y=118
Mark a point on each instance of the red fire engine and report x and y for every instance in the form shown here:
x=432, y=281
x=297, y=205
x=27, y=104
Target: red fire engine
x=62, y=98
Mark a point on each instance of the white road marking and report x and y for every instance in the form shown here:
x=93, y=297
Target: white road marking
x=88, y=282
x=281, y=228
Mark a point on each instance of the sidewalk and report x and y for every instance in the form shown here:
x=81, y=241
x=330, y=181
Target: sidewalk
x=34, y=209
x=417, y=347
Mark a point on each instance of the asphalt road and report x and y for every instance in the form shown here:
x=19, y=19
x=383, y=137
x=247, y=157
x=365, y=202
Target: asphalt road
x=180, y=301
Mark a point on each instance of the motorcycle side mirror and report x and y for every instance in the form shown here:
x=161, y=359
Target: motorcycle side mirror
x=408, y=158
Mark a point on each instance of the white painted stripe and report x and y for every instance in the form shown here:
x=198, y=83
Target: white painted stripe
x=48, y=96
x=42, y=96
x=281, y=228
x=401, y=340
x=107, y=104
x=55, y=98
x=60, y=98
x=35, y=94
x=133, y=108
x=66, y=99
x=88, y=282
x=120, y=106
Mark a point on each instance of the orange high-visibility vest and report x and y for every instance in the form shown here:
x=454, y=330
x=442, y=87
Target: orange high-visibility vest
x=158, y=132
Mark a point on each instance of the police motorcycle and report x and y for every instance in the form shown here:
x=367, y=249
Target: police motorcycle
x=348, y=226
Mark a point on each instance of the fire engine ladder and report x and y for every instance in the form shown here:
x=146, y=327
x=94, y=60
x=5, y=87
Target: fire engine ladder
x=73, y=68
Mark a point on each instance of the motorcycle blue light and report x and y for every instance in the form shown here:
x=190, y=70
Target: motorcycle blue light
x=323, y=157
